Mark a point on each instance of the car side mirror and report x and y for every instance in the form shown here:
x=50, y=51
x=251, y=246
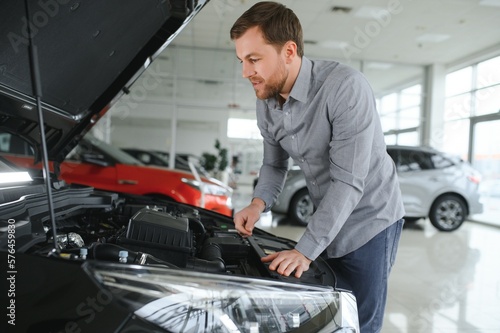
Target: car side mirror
x=95, y=158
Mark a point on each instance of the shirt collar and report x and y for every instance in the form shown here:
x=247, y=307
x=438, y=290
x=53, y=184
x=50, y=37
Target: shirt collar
x=300, y=88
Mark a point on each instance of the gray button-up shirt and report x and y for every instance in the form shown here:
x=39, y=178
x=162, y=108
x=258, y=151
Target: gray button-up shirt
x=330, y=126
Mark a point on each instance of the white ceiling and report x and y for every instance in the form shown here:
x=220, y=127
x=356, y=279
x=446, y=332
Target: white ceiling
x=405, y=31
x=394, y=39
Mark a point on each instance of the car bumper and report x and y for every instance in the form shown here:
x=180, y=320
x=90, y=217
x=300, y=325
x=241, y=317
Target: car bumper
x=220, y=204
x=475, y=207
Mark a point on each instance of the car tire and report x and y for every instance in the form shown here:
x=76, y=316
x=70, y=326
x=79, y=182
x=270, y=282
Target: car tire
x=301, y=207
x=448, y=212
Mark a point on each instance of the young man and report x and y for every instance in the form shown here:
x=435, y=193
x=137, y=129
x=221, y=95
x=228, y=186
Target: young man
x=323, y=115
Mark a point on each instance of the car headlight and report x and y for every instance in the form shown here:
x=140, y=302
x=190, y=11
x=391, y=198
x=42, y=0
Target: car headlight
x=207, y=187
x=185, y=301
x=191, y=182
x=229, y=202
x=215, y=189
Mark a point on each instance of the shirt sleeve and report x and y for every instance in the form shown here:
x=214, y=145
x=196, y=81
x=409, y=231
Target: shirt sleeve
x=352, y=114
x=274, y=168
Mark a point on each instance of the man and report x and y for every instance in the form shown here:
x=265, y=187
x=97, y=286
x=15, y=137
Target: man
x=323, y=115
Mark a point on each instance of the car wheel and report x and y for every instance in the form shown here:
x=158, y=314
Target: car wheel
x=448, y=213
x=301, y=207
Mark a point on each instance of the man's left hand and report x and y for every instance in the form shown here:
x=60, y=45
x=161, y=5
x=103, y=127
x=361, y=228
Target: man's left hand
x=285, y=262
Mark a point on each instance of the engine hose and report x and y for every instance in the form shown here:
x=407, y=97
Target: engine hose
x=210, y=260
x=110, y=252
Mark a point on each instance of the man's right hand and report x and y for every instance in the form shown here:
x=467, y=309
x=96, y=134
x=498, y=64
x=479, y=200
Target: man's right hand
x=246, y=218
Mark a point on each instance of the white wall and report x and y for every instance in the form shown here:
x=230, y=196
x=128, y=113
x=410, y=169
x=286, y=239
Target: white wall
x=149, y=125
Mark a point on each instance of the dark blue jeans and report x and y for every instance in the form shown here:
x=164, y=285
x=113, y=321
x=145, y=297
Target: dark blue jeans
x=365, y=272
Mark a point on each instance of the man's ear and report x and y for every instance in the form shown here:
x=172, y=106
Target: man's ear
x=290, y=51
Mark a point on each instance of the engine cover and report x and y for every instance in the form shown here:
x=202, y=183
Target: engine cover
x=160, y=234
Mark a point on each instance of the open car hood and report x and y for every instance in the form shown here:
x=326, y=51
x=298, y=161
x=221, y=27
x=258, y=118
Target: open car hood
x=89, y=53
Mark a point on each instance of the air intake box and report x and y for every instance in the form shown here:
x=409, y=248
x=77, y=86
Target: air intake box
x=160, y=234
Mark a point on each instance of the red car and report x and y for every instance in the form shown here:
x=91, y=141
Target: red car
x=97, y=164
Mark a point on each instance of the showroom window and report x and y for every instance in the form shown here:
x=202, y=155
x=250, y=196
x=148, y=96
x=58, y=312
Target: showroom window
x=238, y=128
x=400, y=115
x=471, y=123
x=472, y=96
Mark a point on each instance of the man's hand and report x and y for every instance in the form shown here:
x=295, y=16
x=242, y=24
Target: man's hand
x=285, y=262
x=246, y=218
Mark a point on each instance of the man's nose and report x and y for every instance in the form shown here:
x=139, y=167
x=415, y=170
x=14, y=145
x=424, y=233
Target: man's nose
x=247, y=70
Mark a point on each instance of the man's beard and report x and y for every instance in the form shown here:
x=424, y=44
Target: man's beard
x=274, y=85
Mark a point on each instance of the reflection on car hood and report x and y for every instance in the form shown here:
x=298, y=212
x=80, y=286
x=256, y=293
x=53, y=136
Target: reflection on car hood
x=88, y=53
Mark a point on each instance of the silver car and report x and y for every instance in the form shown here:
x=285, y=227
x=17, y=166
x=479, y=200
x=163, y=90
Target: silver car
x=436, y=185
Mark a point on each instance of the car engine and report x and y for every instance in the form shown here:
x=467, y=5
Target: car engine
x=93, y=225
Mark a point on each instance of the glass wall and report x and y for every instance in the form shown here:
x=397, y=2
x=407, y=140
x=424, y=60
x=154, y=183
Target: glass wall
x=486, y=158
x=472, y=127
x=400, y=115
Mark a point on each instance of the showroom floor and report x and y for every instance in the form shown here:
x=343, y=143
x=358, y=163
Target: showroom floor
x=441, y=282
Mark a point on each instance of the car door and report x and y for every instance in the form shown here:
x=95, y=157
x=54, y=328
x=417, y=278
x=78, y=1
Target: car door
x=418, y=180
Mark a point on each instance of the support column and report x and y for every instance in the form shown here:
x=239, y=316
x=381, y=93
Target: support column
x=432, y=127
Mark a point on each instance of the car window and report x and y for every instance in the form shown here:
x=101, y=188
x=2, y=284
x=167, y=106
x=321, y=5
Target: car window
x=159, y=159
x=440, y=161
x=144, y=158
x=13, y=144
x=410, y=160
x=116, y=153
x=81, y=149
x=94, y=145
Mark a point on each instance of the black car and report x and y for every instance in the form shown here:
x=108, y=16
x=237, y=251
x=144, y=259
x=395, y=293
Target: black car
x=75, y=259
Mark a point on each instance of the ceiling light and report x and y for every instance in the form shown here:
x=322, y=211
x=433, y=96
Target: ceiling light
x=493, y=3
x=378, y=65
x=370, y=12
x=334, y=44
x=432, y=38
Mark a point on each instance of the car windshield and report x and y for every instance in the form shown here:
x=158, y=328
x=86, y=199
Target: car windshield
x=116, y=153
x=182, y=162
x=162, y=158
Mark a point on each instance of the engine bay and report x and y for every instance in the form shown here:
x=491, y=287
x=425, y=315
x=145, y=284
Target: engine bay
x=93, y=225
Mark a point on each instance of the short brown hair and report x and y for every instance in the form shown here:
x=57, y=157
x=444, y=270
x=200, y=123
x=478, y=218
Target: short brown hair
x=278, y=24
